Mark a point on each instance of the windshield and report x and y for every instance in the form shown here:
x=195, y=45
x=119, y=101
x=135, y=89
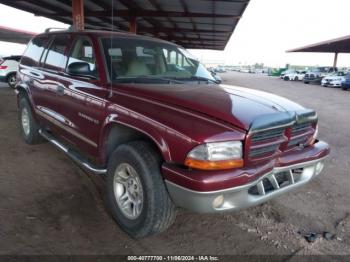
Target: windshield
x=135, y=58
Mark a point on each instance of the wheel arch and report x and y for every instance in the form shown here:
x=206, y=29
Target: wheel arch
x=116, y=133
x=22, y=90
x=11, y=73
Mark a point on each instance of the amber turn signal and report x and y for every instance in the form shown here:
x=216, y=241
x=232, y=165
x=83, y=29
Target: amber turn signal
x=213, y=165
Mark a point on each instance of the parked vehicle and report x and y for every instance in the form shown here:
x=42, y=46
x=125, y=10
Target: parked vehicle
x=8, y=69
x=294, y=76
x=219, y=70
x=245, y=70
x=345, y=85
x=260, y=71
x=150, y=118
x=334, y=80
x=315, y=76
x=285, y=72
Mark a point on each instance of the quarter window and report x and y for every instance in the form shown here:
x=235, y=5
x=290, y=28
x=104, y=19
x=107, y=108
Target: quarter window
x=34, y=51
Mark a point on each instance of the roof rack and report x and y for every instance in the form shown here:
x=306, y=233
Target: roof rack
x=48, y=30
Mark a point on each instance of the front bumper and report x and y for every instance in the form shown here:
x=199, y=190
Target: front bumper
x=313, y=80
x=345, y=85
x=272, y=183
x=331, y=83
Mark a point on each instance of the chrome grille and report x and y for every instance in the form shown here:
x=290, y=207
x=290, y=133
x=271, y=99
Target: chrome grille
x=275, y=133
x=300, y=128
x=264, y=150
x=300, y=134
x=265, y=144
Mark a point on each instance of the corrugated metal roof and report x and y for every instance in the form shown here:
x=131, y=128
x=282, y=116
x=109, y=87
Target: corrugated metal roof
x=204, y=24
x=338, y=45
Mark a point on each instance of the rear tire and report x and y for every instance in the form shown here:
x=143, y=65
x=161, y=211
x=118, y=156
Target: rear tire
x=11, y=80
x=136, y=194
x=29, y=126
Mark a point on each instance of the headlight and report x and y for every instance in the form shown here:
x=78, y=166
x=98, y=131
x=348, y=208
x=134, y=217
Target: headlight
x=215, y=156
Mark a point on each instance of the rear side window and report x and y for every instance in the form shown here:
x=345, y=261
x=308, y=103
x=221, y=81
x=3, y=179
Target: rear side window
x=56, y=58
x=34, y=51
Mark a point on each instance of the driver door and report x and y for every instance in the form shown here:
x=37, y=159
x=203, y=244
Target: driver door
x=85, y=98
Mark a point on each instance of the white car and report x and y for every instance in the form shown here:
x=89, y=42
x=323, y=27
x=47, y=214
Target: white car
x=333, y=80
x=285, y=72
x=8, y=69
x=295, y=76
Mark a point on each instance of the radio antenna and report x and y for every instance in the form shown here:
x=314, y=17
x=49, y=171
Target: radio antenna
x=110, y=56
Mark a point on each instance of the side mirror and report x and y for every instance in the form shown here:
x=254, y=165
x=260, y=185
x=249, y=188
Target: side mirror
x=80, y=69
x=217, y=79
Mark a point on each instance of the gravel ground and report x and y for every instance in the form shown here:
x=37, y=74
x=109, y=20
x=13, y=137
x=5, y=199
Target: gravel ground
x=48, y=205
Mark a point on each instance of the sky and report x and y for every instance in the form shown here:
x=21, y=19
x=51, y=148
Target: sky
x=267, y=29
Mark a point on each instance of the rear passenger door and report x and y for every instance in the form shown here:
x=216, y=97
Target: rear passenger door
x=30, y=73
x=53, y=62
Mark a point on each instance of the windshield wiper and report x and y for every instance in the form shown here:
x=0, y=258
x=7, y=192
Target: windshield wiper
x=146, y=79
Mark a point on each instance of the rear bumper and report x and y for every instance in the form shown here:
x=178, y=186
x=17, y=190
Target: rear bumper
x=262, y=186
x=3, y=78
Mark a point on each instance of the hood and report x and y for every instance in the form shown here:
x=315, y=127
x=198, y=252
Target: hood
x=334, y=77
x=238, y=106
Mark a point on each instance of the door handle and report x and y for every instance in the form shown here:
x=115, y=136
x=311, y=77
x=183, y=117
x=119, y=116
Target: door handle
x=34, y=74
x=60, y=90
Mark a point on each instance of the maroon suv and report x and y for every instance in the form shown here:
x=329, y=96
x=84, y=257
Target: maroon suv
x=150, y=118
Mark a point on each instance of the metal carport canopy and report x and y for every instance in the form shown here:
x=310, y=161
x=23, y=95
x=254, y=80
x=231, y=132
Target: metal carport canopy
x=336, y=46
x=12, y=35
x=195, y=24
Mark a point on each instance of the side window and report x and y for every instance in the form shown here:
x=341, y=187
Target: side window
x=83, y=52
x=34, y=51
x=172, y=59
x=177, y=63
x=55, y=58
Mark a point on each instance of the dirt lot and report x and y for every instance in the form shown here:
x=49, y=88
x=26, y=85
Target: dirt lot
x=50, y=206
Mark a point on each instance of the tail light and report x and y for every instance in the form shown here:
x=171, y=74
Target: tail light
x=3, y=67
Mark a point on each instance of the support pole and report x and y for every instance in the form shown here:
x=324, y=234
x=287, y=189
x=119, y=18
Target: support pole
x=335, y=60
x=133, y=25
x=78, y=14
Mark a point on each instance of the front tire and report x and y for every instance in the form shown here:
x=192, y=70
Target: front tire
x=11, y=80
x=29, y=126
x=136, y=194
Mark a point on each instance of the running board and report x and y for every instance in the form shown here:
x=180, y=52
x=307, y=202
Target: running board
x=75, y=156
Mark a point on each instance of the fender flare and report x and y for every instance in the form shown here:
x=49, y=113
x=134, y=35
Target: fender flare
x=114, y=121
